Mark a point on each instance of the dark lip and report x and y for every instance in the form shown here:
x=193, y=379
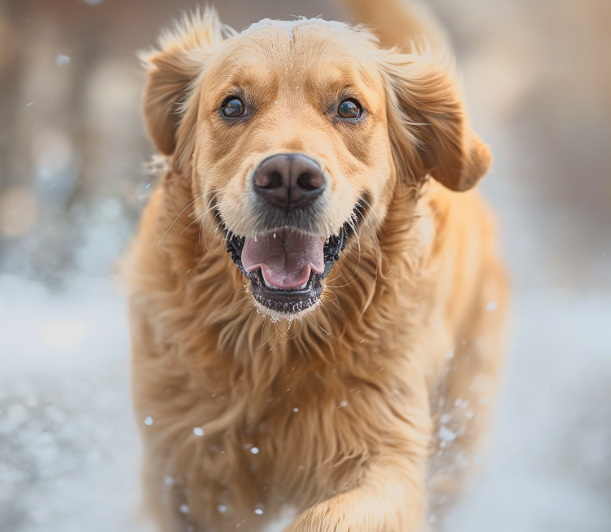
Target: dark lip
x=295, y=300
x=286, y=301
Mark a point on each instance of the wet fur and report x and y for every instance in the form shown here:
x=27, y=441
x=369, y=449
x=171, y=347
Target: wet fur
x=344, y=402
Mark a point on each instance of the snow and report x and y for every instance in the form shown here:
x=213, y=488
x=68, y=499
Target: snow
x=446, y=435
x=62, y=60
x=68, y=445
x=55, y=334
x=549, y=463
x=289, y=26
x=492, y=306
x=62, y=334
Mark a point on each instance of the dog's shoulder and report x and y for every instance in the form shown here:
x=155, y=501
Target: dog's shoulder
x=465, y=252
x=461, y=218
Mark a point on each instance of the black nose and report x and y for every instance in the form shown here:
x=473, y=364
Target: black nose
x=289, y=181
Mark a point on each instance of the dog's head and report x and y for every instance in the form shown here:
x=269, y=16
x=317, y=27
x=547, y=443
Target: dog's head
x=293, y=133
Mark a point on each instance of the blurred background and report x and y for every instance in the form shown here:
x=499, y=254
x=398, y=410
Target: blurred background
x=537, y=77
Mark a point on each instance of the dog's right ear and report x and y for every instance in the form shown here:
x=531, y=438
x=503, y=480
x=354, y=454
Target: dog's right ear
x=428, y=123
x=172, y=70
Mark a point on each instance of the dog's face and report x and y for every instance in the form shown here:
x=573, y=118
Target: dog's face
x=293, y=133
x=293, y=139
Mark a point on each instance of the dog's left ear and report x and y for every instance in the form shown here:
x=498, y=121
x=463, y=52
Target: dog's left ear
x=427, y=123
x=172, y=70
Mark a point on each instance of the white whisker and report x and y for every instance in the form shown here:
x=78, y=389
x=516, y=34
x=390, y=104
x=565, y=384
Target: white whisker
x=180, y=214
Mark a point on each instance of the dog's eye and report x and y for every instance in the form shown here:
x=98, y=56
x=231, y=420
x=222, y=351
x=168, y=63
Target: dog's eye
x=349, y=109
x=233, y=107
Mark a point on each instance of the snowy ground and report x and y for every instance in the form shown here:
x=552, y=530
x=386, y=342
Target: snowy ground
x=549, y=463
x=69, y=449
x=68, y=445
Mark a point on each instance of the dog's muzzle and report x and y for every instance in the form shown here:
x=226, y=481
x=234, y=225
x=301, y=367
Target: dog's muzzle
x=286, y=262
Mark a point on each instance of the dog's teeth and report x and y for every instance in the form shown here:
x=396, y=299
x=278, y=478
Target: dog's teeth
x=269, y=285
x=272, y=287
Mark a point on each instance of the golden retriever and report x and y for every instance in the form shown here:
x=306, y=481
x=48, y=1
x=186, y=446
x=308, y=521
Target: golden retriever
x=316, y=300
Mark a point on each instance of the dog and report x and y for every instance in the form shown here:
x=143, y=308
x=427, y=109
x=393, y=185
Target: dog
x=317, y=302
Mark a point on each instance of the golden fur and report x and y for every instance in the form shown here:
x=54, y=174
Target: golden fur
x=334, y=414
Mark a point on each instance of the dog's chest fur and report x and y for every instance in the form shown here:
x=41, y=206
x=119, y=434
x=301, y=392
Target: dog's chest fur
x=297, y=438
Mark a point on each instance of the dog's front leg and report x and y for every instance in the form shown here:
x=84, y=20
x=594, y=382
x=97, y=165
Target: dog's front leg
x=390, y=499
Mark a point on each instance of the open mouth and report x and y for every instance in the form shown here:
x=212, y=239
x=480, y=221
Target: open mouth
x=286, y=267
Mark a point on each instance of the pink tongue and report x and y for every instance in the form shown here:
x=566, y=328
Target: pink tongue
x=286, y=260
